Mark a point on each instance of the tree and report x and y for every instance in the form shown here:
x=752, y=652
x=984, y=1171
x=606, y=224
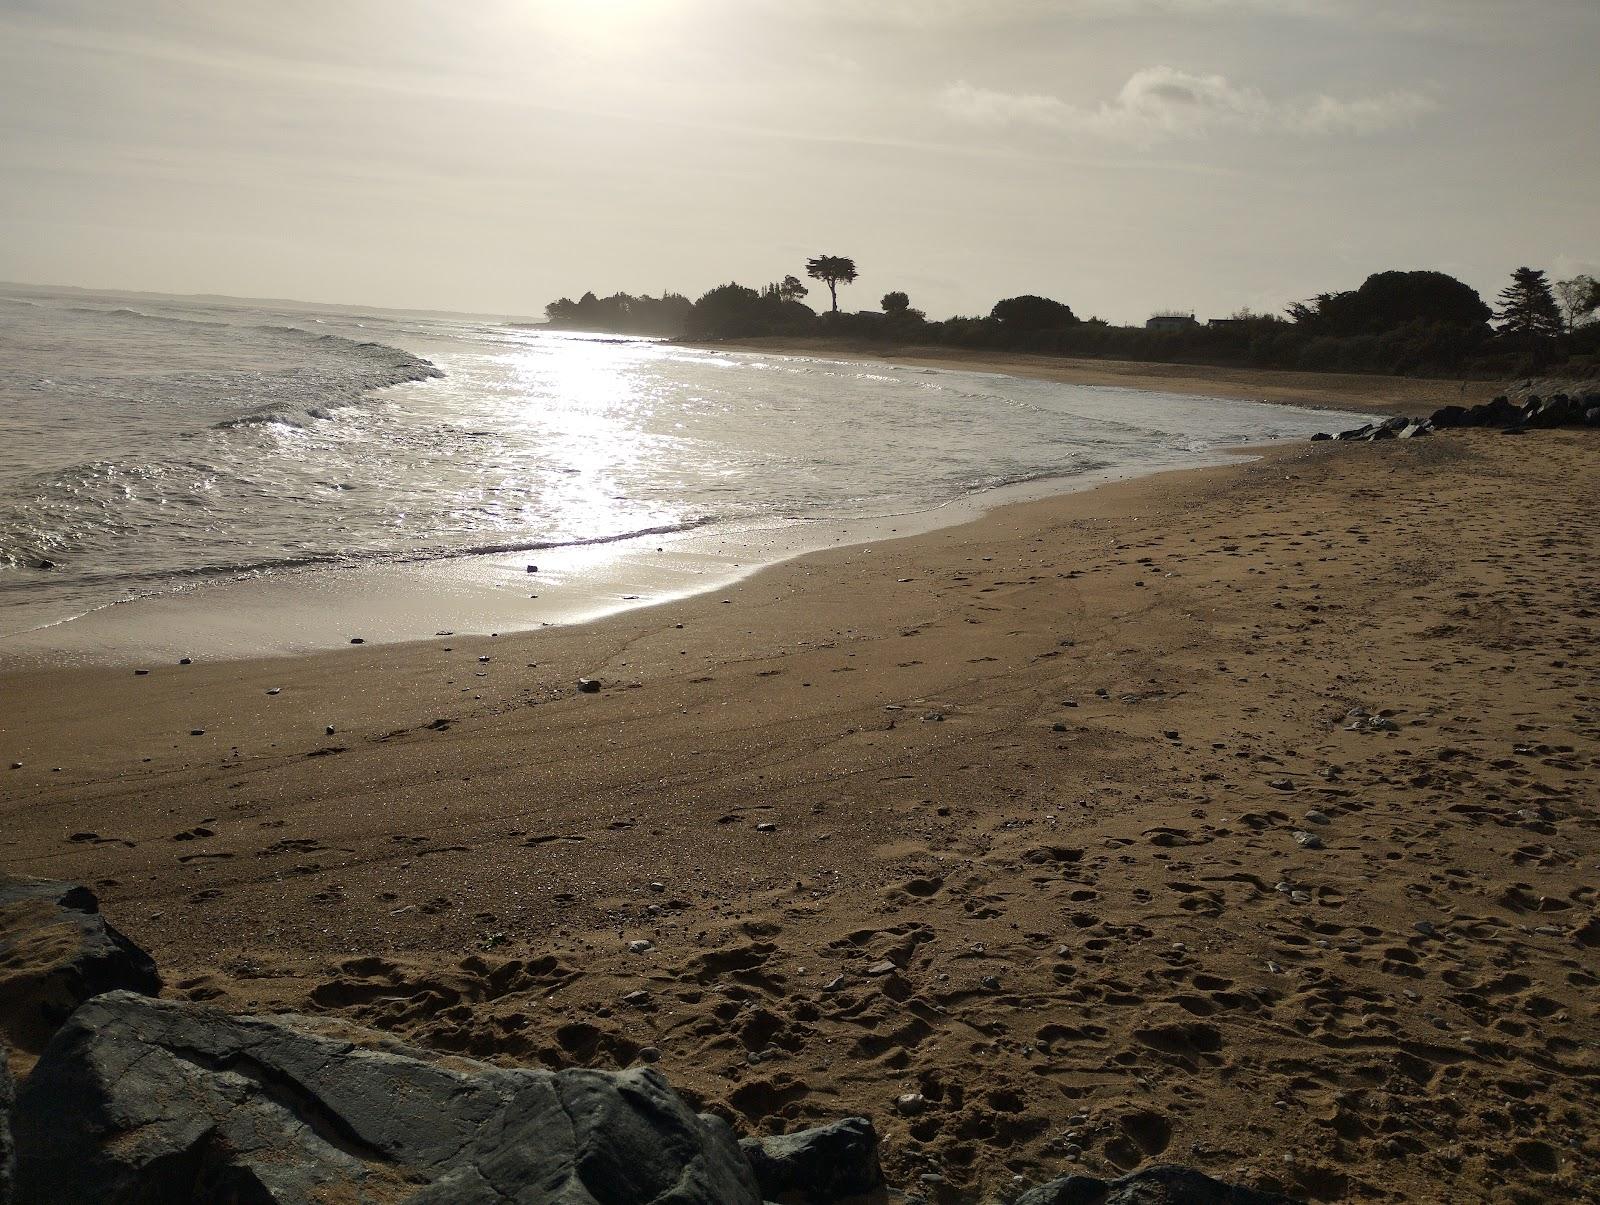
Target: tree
x=1031, y=313
x=1389, y=300
x=790, y=289
x=832, y=270
x=1528, y=308
x=1578, y=299
x=895, y=303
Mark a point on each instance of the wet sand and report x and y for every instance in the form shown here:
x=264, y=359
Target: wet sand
x=1335, y=390
x=1243, y=817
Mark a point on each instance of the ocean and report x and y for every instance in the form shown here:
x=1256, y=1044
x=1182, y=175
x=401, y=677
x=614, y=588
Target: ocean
x=158, y=444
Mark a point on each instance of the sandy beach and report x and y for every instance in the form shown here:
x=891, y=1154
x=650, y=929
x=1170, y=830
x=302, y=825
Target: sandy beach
x=1240, y=816
x=1352, y=391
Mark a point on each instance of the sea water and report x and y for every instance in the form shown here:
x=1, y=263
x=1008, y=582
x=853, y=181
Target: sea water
x=151, y=444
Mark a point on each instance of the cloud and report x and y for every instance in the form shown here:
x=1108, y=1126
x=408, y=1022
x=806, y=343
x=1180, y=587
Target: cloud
x=1159, y=103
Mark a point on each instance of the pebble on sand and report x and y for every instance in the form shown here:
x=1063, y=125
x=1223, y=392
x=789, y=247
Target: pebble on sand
x=589, y=686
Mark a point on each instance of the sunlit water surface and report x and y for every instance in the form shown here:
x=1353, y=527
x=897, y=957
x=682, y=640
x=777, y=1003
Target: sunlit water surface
x=151, y=444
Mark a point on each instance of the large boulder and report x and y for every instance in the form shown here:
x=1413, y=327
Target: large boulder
x=830, y=1163
x=137, y=1099
x=1159, y=1185
x=56, y=951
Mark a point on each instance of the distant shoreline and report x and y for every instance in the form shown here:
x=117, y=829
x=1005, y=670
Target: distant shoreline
x=1323, y=390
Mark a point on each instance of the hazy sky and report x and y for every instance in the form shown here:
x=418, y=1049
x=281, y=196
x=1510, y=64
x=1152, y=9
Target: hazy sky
x=1120, y=155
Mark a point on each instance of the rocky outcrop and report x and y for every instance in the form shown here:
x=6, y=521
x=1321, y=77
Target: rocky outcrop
x=148, y=1100
x=1558, y=410
x=1391, y=428
x=830, y=1163
x=1159, y=1185
x=56, y=951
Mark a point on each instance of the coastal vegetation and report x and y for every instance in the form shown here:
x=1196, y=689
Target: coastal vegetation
x=1407, y=323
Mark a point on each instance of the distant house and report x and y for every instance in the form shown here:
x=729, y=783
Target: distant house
x=1170, y=321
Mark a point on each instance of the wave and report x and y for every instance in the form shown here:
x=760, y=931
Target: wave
x=324, y=560
x=126, y=312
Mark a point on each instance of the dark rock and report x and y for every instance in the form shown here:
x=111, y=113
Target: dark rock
x=829, y=1163
x=1448, y=416
x=589, y=686
x=1320, y=436
x=1357, y=433
x=1162, y=1184
x=56, y=951
x=5, y=1130
x=148, y=1100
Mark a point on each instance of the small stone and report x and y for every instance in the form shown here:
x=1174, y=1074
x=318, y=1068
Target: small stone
x=1058, y=727
x=185, y=660
x=197, y=732
x=911, y=1104
x=329, y=729
x=140, y=673
x=833, y=984
x=273, y=690
x=1426, y=928
x=1300, y=897
x=357, y=640
x=16, y=765
x=533, y=569
x=1171, y=734
x=649, y=1054
x=882, y=967
x=1308, y=840
x=589, y=686
x=766, y=826
x=658, y=886
x=1315, y=817
x=641, y=946
x=990, y=982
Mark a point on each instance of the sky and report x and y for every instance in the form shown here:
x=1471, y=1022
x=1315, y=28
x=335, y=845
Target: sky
x=1123, y=156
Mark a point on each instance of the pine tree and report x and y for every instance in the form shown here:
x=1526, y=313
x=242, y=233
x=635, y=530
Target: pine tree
x=1528, y=307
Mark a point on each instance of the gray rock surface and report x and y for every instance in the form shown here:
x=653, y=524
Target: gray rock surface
x=1159, y=1185
x=56, y=951
x=137, y=1099
x=817, y=1166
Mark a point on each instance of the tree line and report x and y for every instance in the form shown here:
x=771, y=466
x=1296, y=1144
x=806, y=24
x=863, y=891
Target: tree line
x=1402, y=322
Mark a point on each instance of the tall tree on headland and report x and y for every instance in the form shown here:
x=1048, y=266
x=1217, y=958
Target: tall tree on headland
x=1528, y=308
x=832, y=270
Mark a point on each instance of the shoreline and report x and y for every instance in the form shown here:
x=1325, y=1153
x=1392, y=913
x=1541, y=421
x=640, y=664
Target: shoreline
x=304, y=611
x=1360, y=392
x=1048, y=765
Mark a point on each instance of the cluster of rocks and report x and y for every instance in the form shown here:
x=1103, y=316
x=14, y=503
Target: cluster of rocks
x=134, y=1098
x=1557, y=410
